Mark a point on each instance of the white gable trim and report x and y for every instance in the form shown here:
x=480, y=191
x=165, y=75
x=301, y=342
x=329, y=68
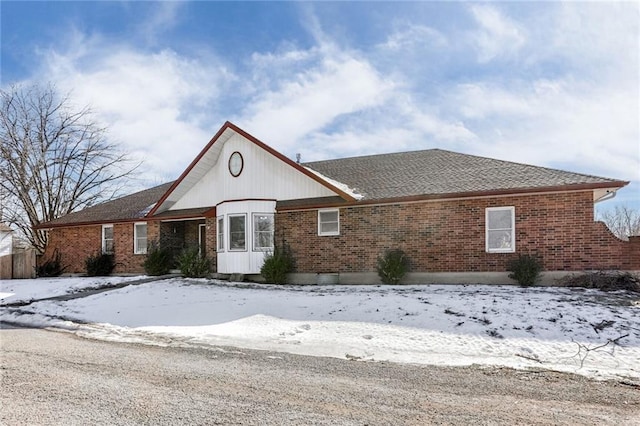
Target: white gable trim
x=209, y=172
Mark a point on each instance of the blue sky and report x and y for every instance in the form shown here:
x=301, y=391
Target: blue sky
x=546, y=83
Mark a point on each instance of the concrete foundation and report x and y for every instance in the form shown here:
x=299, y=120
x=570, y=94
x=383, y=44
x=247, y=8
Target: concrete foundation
x=548, y=278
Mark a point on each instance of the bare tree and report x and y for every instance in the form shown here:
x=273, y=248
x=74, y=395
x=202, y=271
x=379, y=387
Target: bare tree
x=53, y=159
x=622, y=221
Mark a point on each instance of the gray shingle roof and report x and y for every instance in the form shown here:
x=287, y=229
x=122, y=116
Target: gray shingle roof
x=429, y=173
x=439, y=172
x=130, y=207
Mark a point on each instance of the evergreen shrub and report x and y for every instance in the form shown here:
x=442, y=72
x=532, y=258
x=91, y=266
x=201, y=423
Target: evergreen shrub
x=392, y=266
x=100, y=264
x=277, y=265
x=193, y=265
x=158, y=261
x=51, y=267
x=525, y=269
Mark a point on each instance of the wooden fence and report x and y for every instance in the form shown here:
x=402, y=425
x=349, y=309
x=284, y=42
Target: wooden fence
x=20, y=264
x=6, y=267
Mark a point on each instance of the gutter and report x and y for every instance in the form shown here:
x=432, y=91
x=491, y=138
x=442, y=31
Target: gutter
x=609, y=195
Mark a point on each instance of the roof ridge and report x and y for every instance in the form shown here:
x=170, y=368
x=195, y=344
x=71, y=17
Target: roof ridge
x=383, y=154
x=483, y=157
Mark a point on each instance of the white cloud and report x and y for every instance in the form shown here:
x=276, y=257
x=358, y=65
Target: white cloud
x=163, y=16
x=410, y=36
x=554, y=122
x=590, y=32
x=308, y=101
x=585, y=114
x=498, y=36
x=569, y=97
x=152, y=103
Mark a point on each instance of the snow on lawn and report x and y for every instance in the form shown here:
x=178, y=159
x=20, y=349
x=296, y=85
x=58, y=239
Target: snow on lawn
x=549, y=328
x=13, y=291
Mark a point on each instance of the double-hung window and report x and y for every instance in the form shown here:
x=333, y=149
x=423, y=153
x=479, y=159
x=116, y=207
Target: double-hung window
x=262, y=232
x=140, y=238
x=329, y=222
x=500, y=229
x=237, y=232
x=107, y=239
x=220, y=232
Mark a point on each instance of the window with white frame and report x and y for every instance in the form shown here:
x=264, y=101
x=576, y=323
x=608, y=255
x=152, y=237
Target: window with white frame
x=329, y=222
x=140, y=238
x=107, y=239
x=500, y=229
x=237, y=232
x=220, y=232
x=262, y=232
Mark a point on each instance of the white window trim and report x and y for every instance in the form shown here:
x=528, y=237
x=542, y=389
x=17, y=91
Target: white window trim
x=220, y=234
x=135, y=238
x=511, y=249
x=253, y=233
x=332, y=233
x=229, y=216
x=103, y=240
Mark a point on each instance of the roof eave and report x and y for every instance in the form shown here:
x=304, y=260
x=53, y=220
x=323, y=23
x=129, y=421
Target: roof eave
x=461, y=195
x=47, y=225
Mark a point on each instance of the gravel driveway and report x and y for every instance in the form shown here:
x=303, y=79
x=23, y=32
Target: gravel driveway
x=55, y=378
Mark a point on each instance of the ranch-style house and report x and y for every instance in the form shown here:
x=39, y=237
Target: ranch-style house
x=458, y=217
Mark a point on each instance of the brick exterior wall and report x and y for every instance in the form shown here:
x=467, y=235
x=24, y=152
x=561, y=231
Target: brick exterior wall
x=449, y=236
x=211, y=252
x=75, y=244
x=79, y=242
x=440, y=236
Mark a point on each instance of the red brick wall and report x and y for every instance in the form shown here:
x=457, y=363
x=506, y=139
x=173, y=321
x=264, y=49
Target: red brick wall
x=443, y=236
x=126, y=260
x=192, y=233
x=75, y=245
x=79, y=242
x=211, y=224
x=449, y=236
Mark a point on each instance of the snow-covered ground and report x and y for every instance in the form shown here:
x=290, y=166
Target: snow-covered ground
x=582, y=331
x=13, y=291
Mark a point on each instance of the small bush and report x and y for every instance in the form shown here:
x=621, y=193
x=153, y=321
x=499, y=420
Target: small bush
x=100, y=264
x=525, y=269
x=193, y=265
x=277, y=265
x=393, y=266
x=51, y=267
x=158, y=261
x=605, y=281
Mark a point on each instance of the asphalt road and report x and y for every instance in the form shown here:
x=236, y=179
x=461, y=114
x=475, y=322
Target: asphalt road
x=56, y=378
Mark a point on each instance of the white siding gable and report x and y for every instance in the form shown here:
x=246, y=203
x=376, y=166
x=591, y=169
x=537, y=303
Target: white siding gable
x=264, y=176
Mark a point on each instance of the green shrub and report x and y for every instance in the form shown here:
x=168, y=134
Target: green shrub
x=392, y=266
x=277, y=265
x=525, y=269
x=100, y=264
x=51, y=267
x=193, y=265
x=158, y=261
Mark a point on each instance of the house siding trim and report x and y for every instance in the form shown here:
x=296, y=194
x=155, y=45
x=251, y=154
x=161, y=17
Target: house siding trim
x=446, y=197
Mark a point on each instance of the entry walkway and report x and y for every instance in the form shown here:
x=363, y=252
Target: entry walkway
x=84, y=293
